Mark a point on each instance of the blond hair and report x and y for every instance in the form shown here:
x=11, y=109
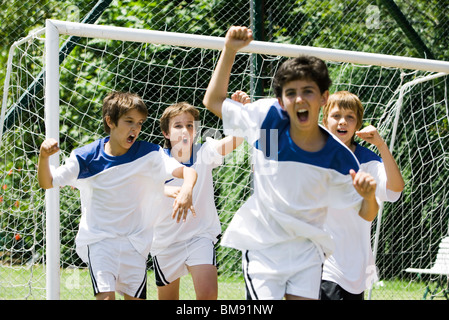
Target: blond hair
x=344, y=100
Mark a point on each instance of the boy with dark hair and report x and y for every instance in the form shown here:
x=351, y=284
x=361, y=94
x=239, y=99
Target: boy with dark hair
x=120, y=180
x=300, y=169
x=303, y=67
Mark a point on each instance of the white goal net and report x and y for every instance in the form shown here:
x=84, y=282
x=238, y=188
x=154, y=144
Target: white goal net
x=412, y=118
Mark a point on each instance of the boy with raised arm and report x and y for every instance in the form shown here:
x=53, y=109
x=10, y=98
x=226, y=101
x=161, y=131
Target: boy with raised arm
x=120, y=180
x=350, y=270
x=299, y=170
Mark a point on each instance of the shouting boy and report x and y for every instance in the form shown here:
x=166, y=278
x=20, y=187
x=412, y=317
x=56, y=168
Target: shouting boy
x=300, y=169
x=120, y=180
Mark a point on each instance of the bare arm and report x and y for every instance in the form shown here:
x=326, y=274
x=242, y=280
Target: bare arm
x=395, y=182
x=183, y=201
x=228, y=144
x=236, y=38
x=365, y=185
x=171, y=191
x=44, y=177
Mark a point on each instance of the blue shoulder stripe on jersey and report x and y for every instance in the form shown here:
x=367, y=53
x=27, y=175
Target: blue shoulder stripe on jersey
x=192, y=159
x=334, y=155
x=93, y=159
x=365, y=155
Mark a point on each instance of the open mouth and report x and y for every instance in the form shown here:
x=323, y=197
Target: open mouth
x=341, y=131
x=303, y=114
x=131, y=138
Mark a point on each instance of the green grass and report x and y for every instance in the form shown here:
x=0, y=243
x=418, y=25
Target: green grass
x=29, y=283
x=25, y=283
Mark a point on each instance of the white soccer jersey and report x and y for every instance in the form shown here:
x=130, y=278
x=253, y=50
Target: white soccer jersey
x=118, y=194
x=292, y=187
x=206, y=224
x=352, y=265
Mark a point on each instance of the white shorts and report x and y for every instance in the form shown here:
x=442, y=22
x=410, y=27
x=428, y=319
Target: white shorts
x=115, y=265
x=172, y=263
x=288, y=268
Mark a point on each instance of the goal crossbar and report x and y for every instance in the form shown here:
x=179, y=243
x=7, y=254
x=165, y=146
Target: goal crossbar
x=55, y=28
x=259, y=47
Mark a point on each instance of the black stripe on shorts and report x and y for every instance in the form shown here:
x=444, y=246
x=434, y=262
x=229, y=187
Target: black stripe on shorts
x=159, y=276
x=92, y=277
x=249, y=288
x=142, y=291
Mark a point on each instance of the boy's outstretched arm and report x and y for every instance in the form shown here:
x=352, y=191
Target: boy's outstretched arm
x=183, y=201
x=48, y=148
x=395, y=182
x=366, y=185
x=230, y=143
x=171, y=191
x=236, y=38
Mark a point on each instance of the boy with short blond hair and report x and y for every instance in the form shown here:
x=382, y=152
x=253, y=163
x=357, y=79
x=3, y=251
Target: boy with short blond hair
x=120, y=180
x=350, y=270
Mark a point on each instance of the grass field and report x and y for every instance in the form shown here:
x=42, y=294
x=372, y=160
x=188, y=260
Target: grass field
x=76, y=285
x=15, y=284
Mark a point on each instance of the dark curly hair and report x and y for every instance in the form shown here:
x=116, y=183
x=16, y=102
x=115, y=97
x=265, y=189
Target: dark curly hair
x=302, y=68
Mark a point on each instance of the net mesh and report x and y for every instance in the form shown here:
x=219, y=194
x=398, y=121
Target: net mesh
x=409, y=233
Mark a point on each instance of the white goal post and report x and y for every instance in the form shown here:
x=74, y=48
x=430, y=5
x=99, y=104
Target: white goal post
x=54, y=29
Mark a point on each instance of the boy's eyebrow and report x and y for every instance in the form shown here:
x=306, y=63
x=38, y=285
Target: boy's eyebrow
x=342, y=108
x=181, y=121
x=131, y=118
x=309, y=87
x=305, y=87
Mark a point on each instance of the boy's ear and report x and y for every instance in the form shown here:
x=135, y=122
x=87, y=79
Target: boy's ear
x=324, y=97
x=108, y=121
x=281, y=103
x=166, y=135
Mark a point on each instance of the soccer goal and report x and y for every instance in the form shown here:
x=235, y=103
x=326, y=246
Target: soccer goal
x=52, y=93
